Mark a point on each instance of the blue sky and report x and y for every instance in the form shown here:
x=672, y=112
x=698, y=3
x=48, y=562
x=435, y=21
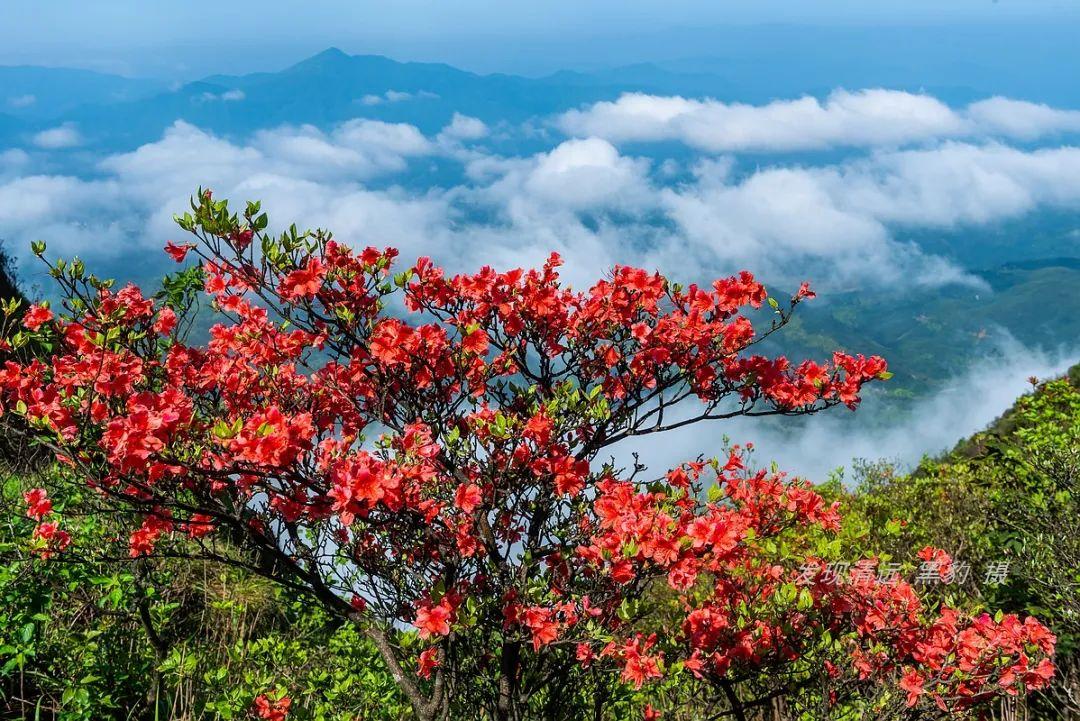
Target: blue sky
x=185, y=40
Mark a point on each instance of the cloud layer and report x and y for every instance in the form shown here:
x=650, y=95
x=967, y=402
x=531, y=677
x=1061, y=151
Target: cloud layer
x=365, y=179
x=62, y=136
x=865, y=118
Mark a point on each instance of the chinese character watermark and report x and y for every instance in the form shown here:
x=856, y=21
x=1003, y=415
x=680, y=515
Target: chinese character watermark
x=996, y=573
x=945, y=572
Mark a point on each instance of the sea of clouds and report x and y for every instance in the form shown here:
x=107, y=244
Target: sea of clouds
x=815, y=447
x=604, y=190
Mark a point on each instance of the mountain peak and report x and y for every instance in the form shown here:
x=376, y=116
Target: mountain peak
x=331, y=53
x=329, y=58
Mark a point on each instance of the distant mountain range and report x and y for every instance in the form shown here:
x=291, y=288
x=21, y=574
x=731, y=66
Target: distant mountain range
x=113, y=112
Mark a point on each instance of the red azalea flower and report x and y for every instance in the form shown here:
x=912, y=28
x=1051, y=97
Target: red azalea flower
x=433, y=620
x=38, y=503
x=178, y=252
x=37, y=316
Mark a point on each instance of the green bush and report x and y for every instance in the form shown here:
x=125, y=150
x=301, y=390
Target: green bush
x=1006, y=495
x=94, y=637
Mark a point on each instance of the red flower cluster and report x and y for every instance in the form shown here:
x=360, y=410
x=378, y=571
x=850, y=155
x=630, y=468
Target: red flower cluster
x=38, y=504
x=37, y=316
x=434, y=620
x=145, y=536
x=271, y=709
x=763, y=610
x=48, y=538
x=427, y=661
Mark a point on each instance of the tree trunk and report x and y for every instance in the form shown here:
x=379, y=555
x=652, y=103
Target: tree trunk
x=733, y=698
x=508, y=667
x=424, y=708
x=161, y=648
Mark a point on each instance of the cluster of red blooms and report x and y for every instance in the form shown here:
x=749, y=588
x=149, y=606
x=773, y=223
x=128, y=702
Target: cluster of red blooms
x=483, y=488
x=761, y=610
x=48, y=538
x=632, y=330
x=271, y=709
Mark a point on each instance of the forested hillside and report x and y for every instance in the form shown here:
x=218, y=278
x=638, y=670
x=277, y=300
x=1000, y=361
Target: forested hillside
x=931, y=334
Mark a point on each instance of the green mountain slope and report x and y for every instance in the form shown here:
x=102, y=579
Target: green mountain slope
x=928, y=335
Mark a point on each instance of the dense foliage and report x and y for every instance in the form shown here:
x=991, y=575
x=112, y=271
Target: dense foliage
x=1005, y=498
x=85, y=638
x=432, y=461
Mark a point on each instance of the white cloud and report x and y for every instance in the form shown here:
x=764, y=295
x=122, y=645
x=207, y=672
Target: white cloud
x=577, y=175
x=399, y=138
x=22, y=101
x=355, y=150
x=13, y=160
x=832, y=224
x=303, y=172
x=815, y=446
x=837, y=221
x=865, y=118
x=957, y=183
x=229, y=96
x=1020, y=119
x=396, y=96
x=32, y=199
x=463, y=127
x=868, y=117
x=777, y=219
x=185, y=155
x=63, y=136
x=75, y=216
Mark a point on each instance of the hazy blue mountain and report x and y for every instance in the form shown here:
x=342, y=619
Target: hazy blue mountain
x=38, y=92
x=332, y=86
x=115, y=113
x=322, y=90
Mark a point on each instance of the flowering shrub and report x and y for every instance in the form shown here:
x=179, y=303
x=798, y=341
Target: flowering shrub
x=48, y=537
x=417, y=450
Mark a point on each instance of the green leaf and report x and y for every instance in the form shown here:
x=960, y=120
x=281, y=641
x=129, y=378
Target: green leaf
x=223, y=430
